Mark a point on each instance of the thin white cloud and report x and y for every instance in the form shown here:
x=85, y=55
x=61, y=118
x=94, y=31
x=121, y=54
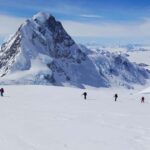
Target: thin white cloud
x=141, y=29
x=91, y=16
x=9, y=24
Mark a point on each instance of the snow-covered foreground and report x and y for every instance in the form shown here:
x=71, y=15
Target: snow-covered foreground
x=57, y=118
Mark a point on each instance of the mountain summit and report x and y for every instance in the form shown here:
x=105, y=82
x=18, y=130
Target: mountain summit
x=41, y=52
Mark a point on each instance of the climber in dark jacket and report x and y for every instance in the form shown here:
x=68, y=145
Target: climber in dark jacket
x=116, y=96
x=142, y=99
x=2, y=91
x=85, y=95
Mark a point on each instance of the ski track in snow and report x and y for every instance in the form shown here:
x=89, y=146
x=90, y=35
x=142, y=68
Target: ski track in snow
x=58, y=118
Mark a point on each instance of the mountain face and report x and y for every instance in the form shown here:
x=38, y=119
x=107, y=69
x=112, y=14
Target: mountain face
x=41, y=52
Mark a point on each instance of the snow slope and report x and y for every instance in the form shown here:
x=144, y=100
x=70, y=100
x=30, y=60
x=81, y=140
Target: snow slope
x=47, y=117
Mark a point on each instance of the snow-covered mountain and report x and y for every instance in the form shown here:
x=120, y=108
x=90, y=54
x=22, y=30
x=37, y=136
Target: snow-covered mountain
x=41, y=52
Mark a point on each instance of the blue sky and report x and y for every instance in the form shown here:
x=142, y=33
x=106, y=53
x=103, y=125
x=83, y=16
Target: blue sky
x=105, y=21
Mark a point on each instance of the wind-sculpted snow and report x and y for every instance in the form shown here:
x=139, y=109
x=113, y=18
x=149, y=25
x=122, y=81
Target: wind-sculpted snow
x=41, y=52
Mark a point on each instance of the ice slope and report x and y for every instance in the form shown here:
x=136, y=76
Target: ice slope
x=47, y=117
